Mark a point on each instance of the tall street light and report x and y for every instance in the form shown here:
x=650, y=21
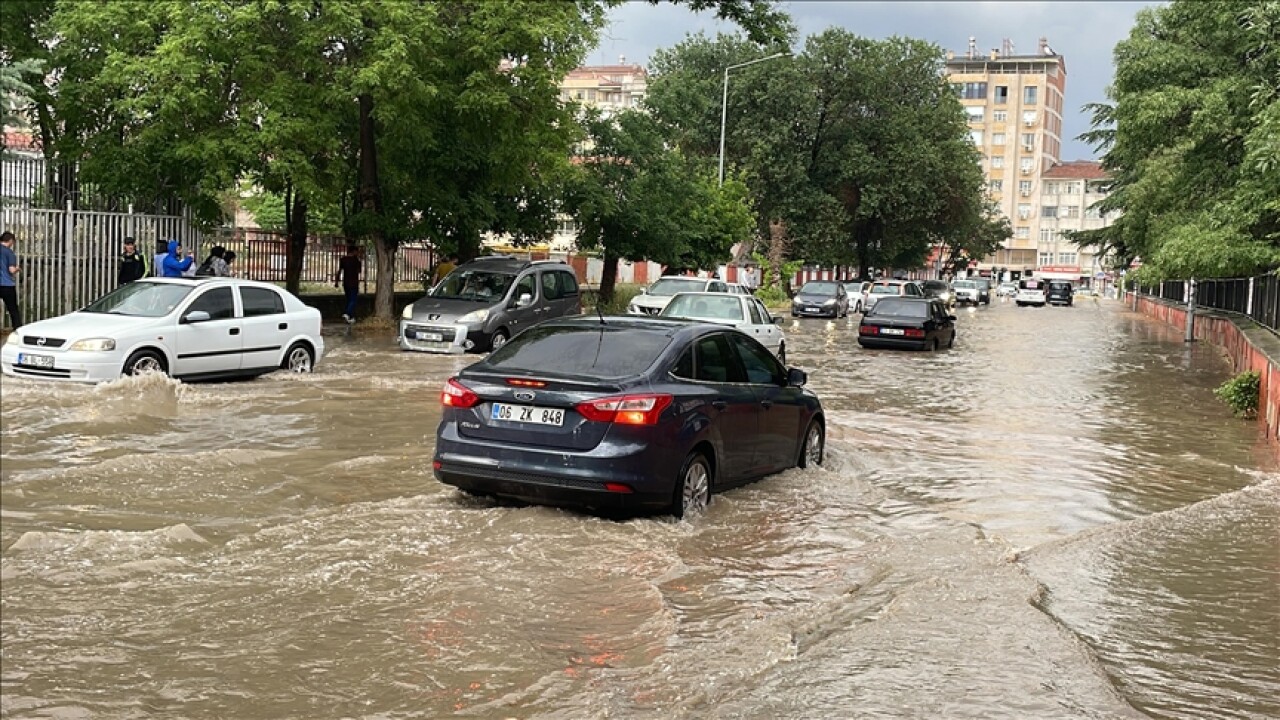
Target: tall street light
x=724, y=101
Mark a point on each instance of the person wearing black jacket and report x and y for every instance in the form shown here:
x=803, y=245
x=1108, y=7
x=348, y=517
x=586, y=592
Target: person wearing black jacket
x=133, y=266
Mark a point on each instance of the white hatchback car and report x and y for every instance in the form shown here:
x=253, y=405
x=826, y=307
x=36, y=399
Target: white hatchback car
x=652, y=299
x=744, y=312
x=189, y=328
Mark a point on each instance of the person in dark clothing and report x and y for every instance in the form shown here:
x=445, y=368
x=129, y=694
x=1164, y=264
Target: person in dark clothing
x=133, y=266
x=215, y=265
x=157, y=260
x=349, y=268
x=229, y=257
x=9, y=267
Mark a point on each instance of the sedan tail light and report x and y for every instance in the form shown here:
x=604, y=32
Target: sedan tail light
x=625, y=409
x=913, y=333
x=455, y=394
x=868, y=330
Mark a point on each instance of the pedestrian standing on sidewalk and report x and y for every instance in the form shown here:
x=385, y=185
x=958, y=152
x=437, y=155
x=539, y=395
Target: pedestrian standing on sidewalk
x=157, y=260
x=349, y=268
x=229, y=257
x=175, y=262
x=8, y=278
x=133, y=266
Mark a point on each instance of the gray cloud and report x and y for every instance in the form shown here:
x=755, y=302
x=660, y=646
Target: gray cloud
x=1085, y=33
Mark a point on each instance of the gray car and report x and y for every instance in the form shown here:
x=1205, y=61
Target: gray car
x=485, y=302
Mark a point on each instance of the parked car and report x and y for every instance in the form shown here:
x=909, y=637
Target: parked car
x=1031, y=291
x=891, y=288
x=484, y=303
x=652, y=299
x=744, y=312
x=940, y=289
x=910, y=323
x=820, y=298
x=737, y=289
x=857, y=292
x=1007, y=289
x=985, y=288
x=190, y=328
x=625, y=413
x=971, y=292
x=1060, y=292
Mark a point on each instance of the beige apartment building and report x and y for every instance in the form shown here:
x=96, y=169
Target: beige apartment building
x=1014, y=105
x=607, y=87
x=1069, y=192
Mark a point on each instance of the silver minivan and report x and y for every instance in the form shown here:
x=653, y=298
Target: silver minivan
x=485, y=302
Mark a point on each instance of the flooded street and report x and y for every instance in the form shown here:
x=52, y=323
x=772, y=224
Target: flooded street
x=1056, y=519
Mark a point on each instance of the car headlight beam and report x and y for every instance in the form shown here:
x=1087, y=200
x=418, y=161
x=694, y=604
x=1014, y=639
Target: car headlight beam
x=475, y=316
x=94, y=345
x=408, y=312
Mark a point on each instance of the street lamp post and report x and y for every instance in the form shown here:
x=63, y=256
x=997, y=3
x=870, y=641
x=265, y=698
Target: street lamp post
x=724, y=101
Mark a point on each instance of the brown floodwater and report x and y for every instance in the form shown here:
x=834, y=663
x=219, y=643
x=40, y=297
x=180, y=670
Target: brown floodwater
x=1056, y=519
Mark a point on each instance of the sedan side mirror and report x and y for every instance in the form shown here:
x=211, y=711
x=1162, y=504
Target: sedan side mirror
x=952, y=318
x=644, y=291
x=796, y=377
x=196, y=316
x=776, y=319
x=525, y=300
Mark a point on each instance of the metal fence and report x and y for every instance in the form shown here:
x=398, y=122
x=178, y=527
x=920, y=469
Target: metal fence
x=1257, y=297
x=29, y=180
x=69, y=257
x=262, y=255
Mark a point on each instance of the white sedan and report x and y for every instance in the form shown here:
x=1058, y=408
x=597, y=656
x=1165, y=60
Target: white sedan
x=744, y=312
x=189, y=328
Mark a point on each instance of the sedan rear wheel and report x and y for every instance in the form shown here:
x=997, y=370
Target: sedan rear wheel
x=298, y=359
x=693, y=492
x=815, y=442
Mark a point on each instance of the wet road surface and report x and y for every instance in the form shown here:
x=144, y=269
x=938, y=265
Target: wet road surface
x=1056, y=519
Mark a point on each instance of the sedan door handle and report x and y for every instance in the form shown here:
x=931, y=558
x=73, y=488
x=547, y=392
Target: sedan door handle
x=719, y=404
x=235, y=331
x=283, y=326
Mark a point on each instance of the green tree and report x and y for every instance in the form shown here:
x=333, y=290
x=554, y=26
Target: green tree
x=636, y=199
x=1191, y=138
x=856, y=151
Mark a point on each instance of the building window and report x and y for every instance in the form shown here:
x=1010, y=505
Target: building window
x=1024, y=211
x=974, y=91
x=996, y=186
x=580, y=94
x=1029, y=94
x=1022, y=232
x=1072, y=211
x=1025, y=165
x=997, y=138
x=1046, y=236
x=1046, y=258
x=976, y=135
x=1002, y=94
x=1067, y=258
x=1024, y=187
x=997, y=161
x=976, y=113
x=1093, y=213
x=1000, y=115
x=1028, y=141
x=1048, y=211
x=1051, y=188
x=1029, y=118
x=591, y=95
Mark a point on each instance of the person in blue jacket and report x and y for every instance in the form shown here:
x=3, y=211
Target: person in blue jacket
x=174, y=264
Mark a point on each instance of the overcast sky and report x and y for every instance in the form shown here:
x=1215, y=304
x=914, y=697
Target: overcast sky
x=1083, y=32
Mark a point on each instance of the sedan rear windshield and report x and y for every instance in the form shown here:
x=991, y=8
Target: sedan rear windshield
x=595, y=352
x=707, y=307
x=886, y=289
x=900, y=308
x=964, y=284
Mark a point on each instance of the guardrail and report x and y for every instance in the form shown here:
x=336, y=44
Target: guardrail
x=1257, y=297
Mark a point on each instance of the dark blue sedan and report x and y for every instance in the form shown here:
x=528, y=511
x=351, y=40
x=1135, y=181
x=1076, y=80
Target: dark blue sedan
x=625, y=413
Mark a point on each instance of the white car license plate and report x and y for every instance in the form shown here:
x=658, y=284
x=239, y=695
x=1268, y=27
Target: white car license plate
x=811, y=309
x=527, y=414
x=892, y=331
x=429, y=336
x=40, y=361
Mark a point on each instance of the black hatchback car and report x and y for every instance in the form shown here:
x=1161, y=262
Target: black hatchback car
x=910, y=323
x=625, y=413
x=1060, y=292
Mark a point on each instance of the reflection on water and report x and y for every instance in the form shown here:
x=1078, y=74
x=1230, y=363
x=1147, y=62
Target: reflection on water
x=1054, y=519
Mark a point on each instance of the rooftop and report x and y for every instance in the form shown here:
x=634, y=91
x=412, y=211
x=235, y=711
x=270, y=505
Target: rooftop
x=1076, y=170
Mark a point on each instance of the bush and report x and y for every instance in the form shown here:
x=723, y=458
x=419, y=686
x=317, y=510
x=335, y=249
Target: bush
x=622, y=295
x=772, y=297
x=1240, y=393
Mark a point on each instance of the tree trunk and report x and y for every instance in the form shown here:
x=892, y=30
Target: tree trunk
x=371, y=204
x=779, y=244
x=608, y=277
x=296, y=231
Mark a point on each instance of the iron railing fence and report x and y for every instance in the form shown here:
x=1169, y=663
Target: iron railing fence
x=262, y=255
x=28, y=180
x=1257, y=297
x=70, y=257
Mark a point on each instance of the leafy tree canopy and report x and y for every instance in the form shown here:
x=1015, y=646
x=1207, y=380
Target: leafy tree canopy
x=1192, y=141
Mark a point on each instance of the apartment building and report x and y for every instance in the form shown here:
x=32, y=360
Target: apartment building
x=1014, y=105
x=607, y=87
x=1069, y=192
